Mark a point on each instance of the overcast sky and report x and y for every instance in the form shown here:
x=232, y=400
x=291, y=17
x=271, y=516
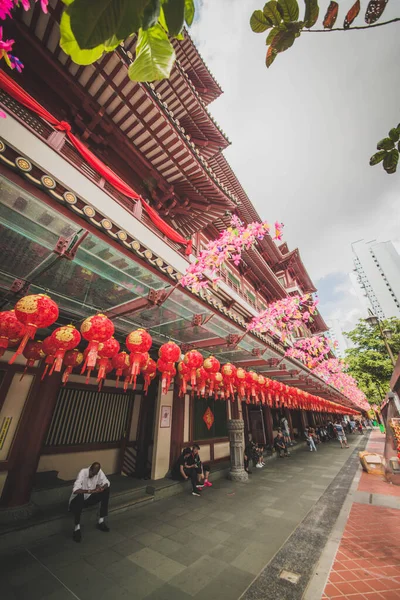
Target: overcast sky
x=303, y=131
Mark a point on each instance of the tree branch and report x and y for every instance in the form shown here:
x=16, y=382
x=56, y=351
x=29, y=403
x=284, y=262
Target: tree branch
x=351, y=28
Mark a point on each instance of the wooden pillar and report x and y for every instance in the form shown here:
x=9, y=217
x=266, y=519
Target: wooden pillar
x=303, y=418
x=288, y=416
x=177, y=424
x=269, y=429
x=30, y=437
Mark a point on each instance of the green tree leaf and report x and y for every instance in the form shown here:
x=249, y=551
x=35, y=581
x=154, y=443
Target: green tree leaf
x=189, y=12
x=151, y=14
x=390, y=161
x=95, y=21
x=174, y=12
x=272, y=34
x=394, y=134
x=71, y=47
x=259, y=22
x=377, y=158
x=385, y=144
x=311, y=13
x=272, y=13
x=283, y=41
x=290, y=10
x=271, y=56
x=155, y=56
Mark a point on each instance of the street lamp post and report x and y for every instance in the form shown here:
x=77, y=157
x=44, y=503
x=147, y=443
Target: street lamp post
x=386, y=334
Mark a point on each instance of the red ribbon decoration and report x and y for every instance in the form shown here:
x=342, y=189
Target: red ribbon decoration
x=19, y=94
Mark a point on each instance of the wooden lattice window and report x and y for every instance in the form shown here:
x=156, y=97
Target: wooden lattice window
x=85, y=416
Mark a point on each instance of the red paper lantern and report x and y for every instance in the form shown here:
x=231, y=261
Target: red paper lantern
x=219, y=384
x=49, y=349
x=201, y=380
x=138, y=342
x=34, y=311
x=261, y=387
x=10, y=329
x=212, y=366
x=63, y=338
x=149, y=372
x=104, y=369
x=229, y=373
x=193, y=360
x=184, y=374
x=169, y=352
x=241, y=382
x=72, y=359
x=108, y=349
x=126, y=374
x=137, y=361
x=95, y=329
x=251, y=383
x=32, y=352
x=167, y=370
x=120, y=362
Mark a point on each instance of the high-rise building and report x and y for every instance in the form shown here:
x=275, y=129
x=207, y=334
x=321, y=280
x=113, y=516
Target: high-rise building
x=335, y=334
x=377, y=269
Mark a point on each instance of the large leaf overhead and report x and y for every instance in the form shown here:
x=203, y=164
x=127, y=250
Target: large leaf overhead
x=70, y=46
x=94, y=21
x=311, y=13
x=331, y=15
x=352, y=14
x=189, y=12
x=174, y=12
x=289, y=10
x=259, y=22
x=375, y=10
x=155, y=56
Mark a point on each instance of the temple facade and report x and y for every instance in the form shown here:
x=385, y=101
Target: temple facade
x=67, y=232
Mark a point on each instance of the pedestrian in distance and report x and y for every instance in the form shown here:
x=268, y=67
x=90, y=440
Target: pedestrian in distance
x=341, y=436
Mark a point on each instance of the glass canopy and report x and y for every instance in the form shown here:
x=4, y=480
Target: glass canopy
x=98, y=279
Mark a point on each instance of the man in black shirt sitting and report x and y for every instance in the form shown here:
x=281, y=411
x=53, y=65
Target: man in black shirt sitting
x=186, y=468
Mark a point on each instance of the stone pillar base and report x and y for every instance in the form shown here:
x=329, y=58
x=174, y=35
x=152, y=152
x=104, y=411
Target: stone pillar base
x=236, y=442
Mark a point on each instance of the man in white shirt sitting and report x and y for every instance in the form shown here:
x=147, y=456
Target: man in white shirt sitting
x=91, y=487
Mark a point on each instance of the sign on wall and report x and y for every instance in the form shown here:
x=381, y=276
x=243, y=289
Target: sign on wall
x=5, y=426
x=165, y=416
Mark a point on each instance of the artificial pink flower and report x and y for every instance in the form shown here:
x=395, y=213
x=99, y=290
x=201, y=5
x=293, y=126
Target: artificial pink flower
x=6, y=7
x=2, y=115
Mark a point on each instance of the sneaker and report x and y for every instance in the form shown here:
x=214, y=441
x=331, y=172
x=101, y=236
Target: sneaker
x=201, y=485
x=258, y=466
x=103, y=527
x=263, y=464
x=207, y=484
x=196, y=493
x=77, y=536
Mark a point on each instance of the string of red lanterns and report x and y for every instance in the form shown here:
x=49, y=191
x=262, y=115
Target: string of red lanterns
x=206, y=376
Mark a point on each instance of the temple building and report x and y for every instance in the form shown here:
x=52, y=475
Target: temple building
x=66, y=231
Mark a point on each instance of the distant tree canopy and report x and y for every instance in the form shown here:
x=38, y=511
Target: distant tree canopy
x=369, y=361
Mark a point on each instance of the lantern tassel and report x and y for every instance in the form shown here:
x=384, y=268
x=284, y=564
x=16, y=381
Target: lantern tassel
x=29, y=335
x=45, y=372
x=66, y=374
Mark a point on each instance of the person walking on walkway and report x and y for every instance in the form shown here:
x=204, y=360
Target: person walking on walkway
x=341, y=436
x=310, y=439
x=91, y=487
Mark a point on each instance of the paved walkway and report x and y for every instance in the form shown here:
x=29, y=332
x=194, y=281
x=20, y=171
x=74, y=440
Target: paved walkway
x=184, y=547
x=367, y=562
